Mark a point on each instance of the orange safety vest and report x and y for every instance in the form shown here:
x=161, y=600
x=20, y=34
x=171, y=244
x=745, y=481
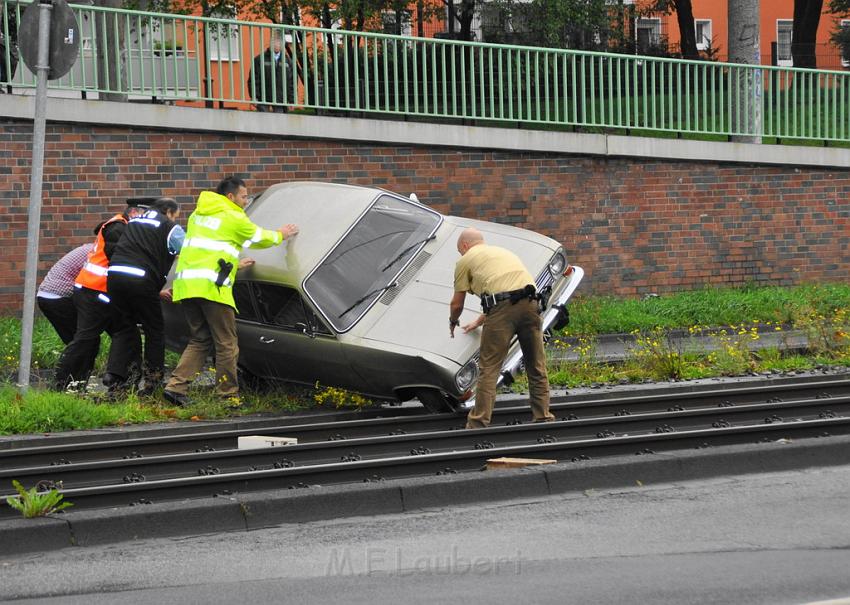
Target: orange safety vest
x=93, y=273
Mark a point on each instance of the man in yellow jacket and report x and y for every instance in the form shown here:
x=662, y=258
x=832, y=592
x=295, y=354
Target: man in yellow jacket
x=217, y=231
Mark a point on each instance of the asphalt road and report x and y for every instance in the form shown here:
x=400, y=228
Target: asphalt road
x=773, y=538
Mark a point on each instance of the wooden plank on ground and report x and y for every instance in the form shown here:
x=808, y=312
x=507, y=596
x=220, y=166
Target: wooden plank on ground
x=500, y=463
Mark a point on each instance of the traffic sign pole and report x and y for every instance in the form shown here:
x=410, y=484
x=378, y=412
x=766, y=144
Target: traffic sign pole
x=34, y=225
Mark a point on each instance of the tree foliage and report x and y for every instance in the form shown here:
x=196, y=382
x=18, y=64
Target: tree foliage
x=577, y=24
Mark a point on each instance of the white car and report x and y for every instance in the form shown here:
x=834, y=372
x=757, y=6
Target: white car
x=359, y=299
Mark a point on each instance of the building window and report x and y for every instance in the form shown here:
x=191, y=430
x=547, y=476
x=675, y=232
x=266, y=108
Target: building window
x=845, y=60
x=647, y=33
x=783, y=42
x=703, y=33
x=223, y=38
x=389, y=20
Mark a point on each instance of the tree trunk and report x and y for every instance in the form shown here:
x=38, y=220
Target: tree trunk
x=804, y=32
x=746, y=111
x=687, y=29
x=420, y=18
x=467, y=13
x=110, y=44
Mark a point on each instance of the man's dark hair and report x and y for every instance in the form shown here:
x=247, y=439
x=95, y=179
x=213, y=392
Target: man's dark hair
x=230, y=184
x=165, y=204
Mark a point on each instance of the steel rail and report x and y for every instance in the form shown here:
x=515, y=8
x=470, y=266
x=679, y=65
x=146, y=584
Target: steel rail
x=230, y=461
x=565, y=407
x=378, y=469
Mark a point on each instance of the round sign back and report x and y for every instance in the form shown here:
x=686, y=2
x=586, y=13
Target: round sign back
x=64, y=38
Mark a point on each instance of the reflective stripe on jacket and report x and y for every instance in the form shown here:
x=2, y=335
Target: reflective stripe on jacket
x=217, y=229
x=93, y=273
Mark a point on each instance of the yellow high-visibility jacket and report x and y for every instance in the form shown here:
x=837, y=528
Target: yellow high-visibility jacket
x=217, y=229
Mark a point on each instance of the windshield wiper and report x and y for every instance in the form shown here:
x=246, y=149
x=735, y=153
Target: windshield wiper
x=408, y=249
x=367, y=295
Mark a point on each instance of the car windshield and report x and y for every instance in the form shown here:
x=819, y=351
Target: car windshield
x=367, y=260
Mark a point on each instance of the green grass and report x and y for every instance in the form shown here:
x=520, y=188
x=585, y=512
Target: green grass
x=811, y=308
x=706, y=307
x=43, y=411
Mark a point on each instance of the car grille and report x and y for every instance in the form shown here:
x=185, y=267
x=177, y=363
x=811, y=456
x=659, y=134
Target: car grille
x=544, y=279
x=405, y=277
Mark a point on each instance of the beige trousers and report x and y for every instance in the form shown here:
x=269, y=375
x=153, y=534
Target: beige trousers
x=503, y=321
x=212, y=326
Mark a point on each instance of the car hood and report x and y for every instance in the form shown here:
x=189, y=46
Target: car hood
x=418, y=315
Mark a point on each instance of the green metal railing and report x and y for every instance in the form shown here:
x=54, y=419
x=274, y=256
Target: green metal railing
x=187, y=59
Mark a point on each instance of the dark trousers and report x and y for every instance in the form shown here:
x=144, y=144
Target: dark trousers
x=62, y=315
x=93, y=318
x=135, y=300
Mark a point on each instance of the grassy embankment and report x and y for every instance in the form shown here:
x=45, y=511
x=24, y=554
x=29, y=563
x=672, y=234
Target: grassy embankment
x=732, y=319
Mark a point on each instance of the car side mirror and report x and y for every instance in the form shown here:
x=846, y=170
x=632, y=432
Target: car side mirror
x=306, y=329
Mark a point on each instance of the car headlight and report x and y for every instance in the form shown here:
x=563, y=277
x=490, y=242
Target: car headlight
x=557, y=264
x=467, y=375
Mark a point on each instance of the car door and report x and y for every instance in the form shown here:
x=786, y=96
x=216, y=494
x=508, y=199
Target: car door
x=288, y=342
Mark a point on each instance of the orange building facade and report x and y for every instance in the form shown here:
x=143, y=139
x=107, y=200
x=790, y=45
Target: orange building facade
x=711, y=20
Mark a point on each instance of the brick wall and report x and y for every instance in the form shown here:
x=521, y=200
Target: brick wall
x=636, y=225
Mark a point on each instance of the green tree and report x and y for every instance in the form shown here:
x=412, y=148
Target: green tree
x=577, y=24
x=841, y=34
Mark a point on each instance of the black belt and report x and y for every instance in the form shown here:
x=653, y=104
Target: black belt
x=488, y=301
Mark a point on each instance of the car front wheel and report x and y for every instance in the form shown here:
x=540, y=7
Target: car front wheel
x=434, y=401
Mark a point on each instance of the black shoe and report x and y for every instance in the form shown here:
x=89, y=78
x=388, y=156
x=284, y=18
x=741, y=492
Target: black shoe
x=110, y=379
x=176, y=398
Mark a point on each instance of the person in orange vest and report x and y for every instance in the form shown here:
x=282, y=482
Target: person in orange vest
x=93, y=312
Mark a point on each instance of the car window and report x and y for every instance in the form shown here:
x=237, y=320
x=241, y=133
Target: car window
x=282, y=306
x=370, y=256
x=244, y=304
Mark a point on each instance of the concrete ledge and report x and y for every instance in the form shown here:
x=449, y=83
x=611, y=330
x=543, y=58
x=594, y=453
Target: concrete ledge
x=20, y=536
x=162, y=520
x=255, y=510
x=682, y=465
x=399, y=132
x=267, y=509
x=467, y=488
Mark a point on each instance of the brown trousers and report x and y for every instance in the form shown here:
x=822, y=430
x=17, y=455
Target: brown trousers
x=212, y=325
x=503, y=321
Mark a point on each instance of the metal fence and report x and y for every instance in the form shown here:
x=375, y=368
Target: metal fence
x=133, y=55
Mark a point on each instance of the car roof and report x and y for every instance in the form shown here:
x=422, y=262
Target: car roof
x=323, y=213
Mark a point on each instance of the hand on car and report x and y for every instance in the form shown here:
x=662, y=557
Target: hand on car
x=245, y=262
x=289, y=230
x=473, y=325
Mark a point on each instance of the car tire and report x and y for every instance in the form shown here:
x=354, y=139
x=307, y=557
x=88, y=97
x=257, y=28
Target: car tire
x=434, y=401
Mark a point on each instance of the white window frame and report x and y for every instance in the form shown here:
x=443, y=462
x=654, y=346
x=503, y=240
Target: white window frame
x=704, y=41
x=226, y=50
x=844, y=23
x=406, y=28
x=655, y=29
x=789, y=61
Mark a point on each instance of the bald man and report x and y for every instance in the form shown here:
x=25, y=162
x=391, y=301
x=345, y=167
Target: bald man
x=507, y=296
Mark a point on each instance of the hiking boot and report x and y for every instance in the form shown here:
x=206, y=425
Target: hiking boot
x=177, y=399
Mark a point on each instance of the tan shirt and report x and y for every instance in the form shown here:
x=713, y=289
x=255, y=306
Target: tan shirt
x=489, y=270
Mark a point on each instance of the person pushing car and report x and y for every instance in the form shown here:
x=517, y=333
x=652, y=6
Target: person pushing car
x=217, y=231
